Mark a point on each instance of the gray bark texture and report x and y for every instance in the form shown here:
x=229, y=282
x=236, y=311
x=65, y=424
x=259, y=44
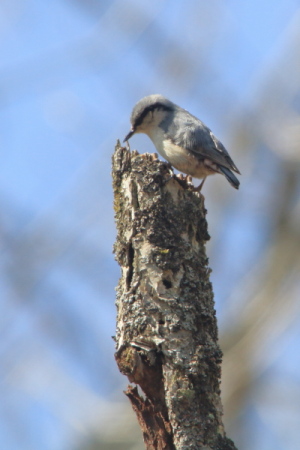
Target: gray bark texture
x=166, y=323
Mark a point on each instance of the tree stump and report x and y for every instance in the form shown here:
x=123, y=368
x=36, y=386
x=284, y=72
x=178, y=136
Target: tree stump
x=167, y=336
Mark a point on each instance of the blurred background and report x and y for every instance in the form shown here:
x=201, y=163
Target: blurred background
x=70, y=73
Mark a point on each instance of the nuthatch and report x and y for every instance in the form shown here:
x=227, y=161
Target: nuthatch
x=182, y=139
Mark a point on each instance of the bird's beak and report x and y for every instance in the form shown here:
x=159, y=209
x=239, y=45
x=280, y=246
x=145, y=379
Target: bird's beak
x=128, y=136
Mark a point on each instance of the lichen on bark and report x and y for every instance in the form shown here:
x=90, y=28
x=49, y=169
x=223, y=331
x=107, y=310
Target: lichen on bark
x=166, y=323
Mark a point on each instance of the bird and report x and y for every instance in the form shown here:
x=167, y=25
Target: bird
x=182, y=139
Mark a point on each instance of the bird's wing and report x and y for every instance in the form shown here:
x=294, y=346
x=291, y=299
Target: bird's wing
x=196, y=137
x=222, y=151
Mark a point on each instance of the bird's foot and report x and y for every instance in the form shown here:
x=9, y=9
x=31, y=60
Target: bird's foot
x=169, y=170
x=198, y=189
x=185, y=181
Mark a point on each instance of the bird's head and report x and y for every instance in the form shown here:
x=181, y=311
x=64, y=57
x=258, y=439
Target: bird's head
x=148, y=113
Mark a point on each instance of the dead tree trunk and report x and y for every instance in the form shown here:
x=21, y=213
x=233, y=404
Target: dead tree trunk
x=166, y=326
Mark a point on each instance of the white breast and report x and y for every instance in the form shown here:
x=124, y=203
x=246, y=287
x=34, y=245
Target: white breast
x=180, y=158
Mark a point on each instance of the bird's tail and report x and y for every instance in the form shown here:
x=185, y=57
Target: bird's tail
x=230, y=177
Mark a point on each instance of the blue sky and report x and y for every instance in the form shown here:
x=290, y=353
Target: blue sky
x=70, y=73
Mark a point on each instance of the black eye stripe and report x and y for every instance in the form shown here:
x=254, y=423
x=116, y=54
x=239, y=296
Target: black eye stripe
x=148, y=109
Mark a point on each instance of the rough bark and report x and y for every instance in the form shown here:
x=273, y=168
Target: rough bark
x=166, y=325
